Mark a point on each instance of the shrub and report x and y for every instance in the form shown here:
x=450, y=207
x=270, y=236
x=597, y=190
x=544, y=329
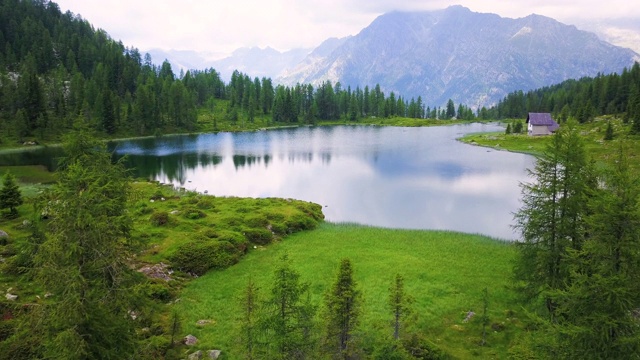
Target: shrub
x=258, y=236
x=159, y=218
x=256, y=221
x=300, y=222
x=205, y=203
x=279, y=228
x=197, y=257
x=234, y=238
x=193, y=214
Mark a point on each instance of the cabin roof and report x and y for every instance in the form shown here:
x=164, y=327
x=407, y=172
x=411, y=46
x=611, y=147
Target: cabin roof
x=542, y=119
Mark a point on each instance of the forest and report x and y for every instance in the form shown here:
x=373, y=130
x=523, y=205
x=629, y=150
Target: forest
x=56, y=69
x=576, y=270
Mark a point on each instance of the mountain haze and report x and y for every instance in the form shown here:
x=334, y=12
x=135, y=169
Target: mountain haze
x=472, y=58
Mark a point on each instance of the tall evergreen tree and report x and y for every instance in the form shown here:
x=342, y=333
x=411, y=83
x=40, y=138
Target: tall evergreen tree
x=399, y=302
x=10, y=196
x=287, y=321
x=342, y=313
x=598, y=320
x=83, y=260
x=552, y=217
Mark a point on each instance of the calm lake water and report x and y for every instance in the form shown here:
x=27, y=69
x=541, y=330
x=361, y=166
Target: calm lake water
x=413, y=178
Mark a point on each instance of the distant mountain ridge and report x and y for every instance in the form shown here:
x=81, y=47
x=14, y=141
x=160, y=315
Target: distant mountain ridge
x=472, y=58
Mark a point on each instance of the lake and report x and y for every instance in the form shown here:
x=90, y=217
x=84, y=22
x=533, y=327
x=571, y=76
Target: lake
x=412, y=178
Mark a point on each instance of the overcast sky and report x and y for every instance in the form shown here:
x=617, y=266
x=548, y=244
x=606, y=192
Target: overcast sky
x=221, y=26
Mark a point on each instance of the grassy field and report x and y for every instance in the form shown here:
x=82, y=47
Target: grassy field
x=593, y=133
x=445, y=272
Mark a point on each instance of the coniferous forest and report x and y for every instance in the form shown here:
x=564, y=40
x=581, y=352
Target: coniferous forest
x=576, y=272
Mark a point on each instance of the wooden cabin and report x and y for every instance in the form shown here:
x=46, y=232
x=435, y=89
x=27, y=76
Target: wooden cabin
x=541, y=124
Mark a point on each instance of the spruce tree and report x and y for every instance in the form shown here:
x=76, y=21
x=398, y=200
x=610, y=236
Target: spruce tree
x=552, y=217
x=598, y=307
x=83, y=261
x=399, y=302
x=342, y=313
x=288, y=316
x=249, y=303
x=10, y=196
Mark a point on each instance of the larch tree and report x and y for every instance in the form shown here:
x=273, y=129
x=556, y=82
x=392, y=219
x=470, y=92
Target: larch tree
x=552, y=217
x=598, y=307
x=287, y=320
x=342, y=313
x=10, y=196
x=249, y=303
x=83, y=260
x=399, y=302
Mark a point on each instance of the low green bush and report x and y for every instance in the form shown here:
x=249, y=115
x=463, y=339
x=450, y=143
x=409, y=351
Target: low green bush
x=256, y=221
x=198, y=257
x=300, y=222
x=258, y=236
x=205, y=203
x=193, y=214
x=159, y=218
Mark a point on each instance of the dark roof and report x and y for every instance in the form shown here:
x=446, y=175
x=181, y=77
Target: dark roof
x=542, y=119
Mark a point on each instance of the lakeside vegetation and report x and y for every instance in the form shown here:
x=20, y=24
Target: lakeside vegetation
x=445, y=272
x=198, y=241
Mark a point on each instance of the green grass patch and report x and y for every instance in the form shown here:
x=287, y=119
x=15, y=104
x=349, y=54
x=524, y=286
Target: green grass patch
x=602, y=151
x=444, y=271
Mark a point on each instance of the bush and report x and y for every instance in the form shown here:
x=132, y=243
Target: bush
x=193, y=214
x=197, y=257
x=256, y=221
x=234, y=238
x=159, y=218
x=300, y=222
x=258, y=236
x=279, y=228
x=205, y=203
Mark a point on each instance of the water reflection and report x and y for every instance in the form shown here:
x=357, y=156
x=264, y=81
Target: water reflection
x=393, y=177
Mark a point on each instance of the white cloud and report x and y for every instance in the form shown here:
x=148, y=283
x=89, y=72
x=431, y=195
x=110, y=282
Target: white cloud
x=223, y=26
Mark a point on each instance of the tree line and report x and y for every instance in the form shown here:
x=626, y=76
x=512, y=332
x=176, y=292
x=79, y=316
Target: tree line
x=582, y=99
x=56, y=68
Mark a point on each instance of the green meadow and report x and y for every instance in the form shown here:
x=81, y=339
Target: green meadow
x=445, y=272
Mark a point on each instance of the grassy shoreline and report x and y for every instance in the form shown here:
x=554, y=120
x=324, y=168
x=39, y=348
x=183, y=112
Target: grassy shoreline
x=444, y=271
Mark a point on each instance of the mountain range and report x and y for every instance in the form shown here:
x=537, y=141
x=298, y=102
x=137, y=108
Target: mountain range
x=454, y=53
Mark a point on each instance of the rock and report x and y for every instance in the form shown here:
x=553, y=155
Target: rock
x=152, y=200
x=26, y=223
x=213, y=354
x=174, y=212
x=203, y=322
x=3, y=234
x=157, y=271
x=11, y=297
x=195, y=356
x=190, y=340
x=470, y=315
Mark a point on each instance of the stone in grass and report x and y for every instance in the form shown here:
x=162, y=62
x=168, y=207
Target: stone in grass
x=11, y=297
x=203, y=322
x=190, y=340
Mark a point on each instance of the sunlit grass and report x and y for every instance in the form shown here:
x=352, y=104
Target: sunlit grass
x=444, y=271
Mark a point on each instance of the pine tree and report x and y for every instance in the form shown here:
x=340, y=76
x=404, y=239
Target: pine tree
x=10, y=196
x=508, y=130
x=287, y=320
x=342, y=313
x=598, y=307
x=249, y=303
x=83, y=261
x=552, y=217
x=399, y=302
x=608, y=135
